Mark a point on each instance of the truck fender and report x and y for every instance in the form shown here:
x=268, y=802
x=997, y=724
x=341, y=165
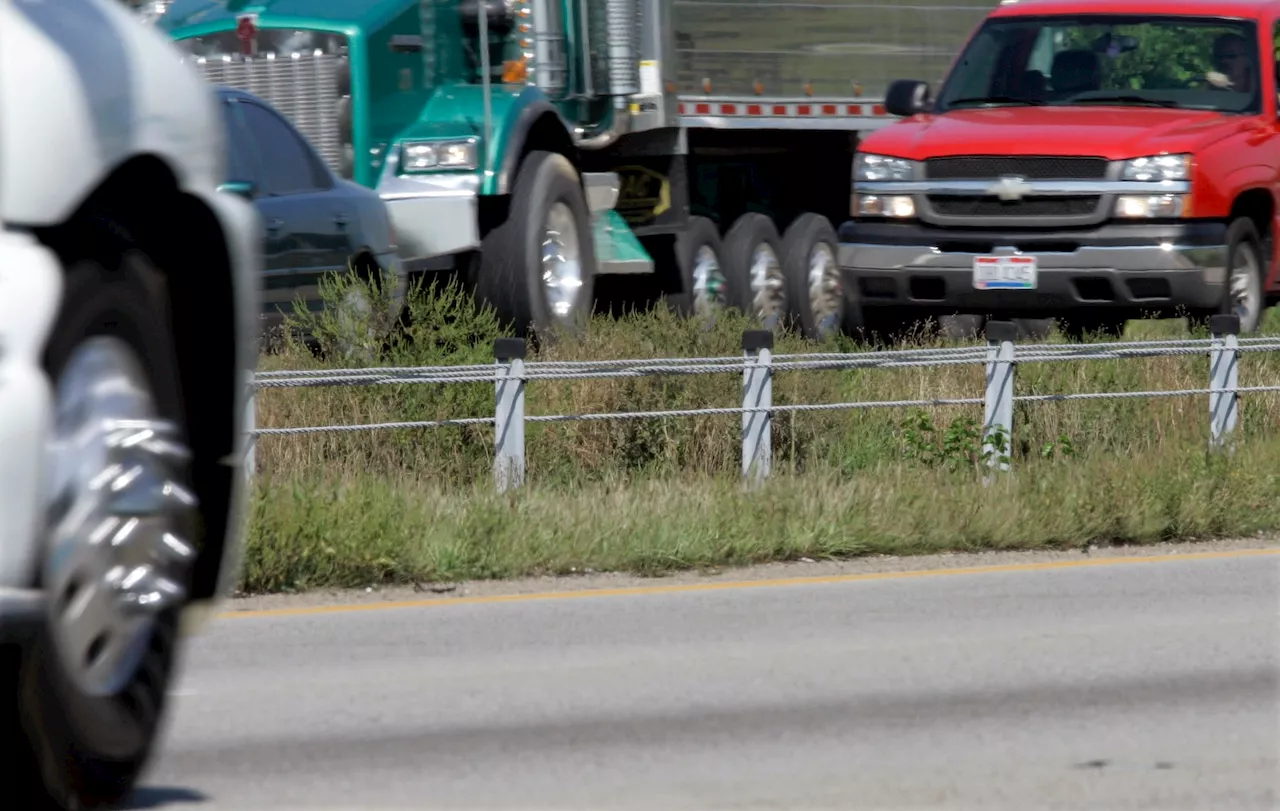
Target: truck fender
x=537, y=112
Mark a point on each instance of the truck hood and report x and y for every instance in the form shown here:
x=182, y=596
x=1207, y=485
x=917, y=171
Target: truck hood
x=1112, y=133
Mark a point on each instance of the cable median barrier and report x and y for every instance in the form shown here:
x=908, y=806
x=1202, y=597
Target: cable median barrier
x=510, y=374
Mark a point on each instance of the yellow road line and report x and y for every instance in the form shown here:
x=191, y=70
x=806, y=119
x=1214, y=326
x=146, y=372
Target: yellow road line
x=739, y=584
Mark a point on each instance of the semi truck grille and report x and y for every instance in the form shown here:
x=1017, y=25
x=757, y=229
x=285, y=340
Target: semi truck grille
x=303, y=87
x=965, y=206
x=984, y=167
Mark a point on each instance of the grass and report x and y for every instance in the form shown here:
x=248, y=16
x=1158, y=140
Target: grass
x=650, y=496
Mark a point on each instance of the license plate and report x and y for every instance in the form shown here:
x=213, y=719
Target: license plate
x=1004, y=272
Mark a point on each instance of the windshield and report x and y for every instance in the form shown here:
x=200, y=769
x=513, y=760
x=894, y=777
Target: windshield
x=1201, y=63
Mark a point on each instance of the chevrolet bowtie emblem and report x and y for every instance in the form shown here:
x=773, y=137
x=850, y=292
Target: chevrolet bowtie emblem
x=1010, y=188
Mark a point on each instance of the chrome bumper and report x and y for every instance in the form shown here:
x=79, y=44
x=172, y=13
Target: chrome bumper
x=432, y=215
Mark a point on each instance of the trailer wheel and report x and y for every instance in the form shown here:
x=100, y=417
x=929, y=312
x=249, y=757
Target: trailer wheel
x=92, y=688
x=757, y=284
x=698, y=257
x=538, y=268
x=815, y=291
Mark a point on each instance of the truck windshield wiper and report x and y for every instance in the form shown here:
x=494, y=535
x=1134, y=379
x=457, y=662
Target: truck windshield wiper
x=1123, y=99
x=996, y=100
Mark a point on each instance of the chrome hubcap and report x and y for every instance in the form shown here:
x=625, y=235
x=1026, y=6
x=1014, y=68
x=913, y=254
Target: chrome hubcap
x=826, y=294
x=708, y=281
x=116, y=557
x=561, y=261
x=1246, y=289
x=768, y=287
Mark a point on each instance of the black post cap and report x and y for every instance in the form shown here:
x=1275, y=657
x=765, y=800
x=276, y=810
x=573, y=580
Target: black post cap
x=1001, y=331
x=1224, y=324
x=753, y=340
x=509, y=349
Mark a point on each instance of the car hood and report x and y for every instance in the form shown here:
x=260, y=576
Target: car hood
x=1113, y=133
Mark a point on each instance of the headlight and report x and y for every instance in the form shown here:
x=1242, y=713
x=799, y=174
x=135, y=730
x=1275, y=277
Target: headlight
x=1158, y=168
x=1149, y=206
x=899, y=206
x=430, y=156
x=872, y=168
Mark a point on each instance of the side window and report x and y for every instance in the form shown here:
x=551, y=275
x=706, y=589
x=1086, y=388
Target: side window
x=241, y=164
x=288, y=165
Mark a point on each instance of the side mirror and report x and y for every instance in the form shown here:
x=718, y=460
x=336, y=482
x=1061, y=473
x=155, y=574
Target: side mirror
x=906, y=97
x=244, y=188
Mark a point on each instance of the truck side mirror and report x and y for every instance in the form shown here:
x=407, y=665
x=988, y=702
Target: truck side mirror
x=244, y=188
x=906, y=97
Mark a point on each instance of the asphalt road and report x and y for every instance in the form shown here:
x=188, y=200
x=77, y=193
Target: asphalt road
x=1137, y=685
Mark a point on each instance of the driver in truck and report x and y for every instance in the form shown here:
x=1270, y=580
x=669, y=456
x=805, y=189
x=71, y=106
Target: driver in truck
x=1231, y=57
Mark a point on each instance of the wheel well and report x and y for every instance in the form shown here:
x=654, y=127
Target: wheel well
x=1259, y=206
x=546, y=134
x=140, y=205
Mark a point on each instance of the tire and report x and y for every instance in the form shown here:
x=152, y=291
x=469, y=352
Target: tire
x=699, y=260
x=1244, y=295
x=753, y=268
x=89, y=733
x=510, y=271
x=815, y=289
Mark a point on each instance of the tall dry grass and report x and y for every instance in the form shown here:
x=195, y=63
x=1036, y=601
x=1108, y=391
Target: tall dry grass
x=349, y=508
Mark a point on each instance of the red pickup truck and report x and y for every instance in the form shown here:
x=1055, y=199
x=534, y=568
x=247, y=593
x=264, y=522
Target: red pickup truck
x=1093, y=161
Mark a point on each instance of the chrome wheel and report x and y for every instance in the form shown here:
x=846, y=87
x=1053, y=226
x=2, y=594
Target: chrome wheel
x=561, y=261
x=117, y=556
x=1245, y=288
x=709, y=288
x=768, y=285
x=826, y=293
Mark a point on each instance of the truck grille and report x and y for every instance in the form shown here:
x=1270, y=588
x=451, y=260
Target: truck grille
x=303, y=87
x=984, y=167
x=965, y=206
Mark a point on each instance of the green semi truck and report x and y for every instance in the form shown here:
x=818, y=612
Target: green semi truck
x=557, y=154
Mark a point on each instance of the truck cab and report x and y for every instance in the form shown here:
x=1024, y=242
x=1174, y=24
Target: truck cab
x=1090, y=160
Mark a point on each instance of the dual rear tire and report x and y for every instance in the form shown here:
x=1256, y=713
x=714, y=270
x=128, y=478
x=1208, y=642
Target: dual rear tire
x=786, y=281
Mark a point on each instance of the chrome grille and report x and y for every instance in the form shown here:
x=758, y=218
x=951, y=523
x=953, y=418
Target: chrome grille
x=302, y=86
x=991, y=167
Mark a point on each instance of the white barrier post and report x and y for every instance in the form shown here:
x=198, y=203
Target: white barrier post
x=757, y=392
x=508, y=446
x=998, y=408
x=1224, y=372
x=250, y=425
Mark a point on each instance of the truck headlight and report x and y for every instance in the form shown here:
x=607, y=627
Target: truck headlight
x=1158, y=168
x=869, y=168
x=899, y=206
x=1131, y=206
x=432, y=156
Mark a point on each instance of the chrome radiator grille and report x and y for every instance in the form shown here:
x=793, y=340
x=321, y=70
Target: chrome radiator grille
x=302, y=86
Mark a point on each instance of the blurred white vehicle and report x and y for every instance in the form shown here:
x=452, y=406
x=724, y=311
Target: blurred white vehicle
x=128, y=318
